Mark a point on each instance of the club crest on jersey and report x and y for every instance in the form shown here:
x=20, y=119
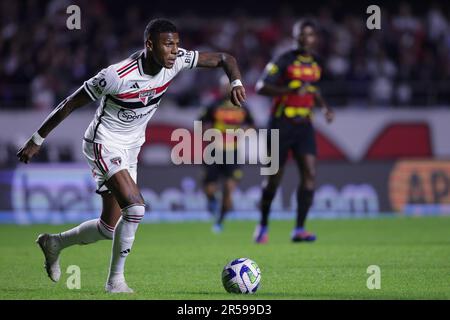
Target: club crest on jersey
x=146, y=95
x=117, y=161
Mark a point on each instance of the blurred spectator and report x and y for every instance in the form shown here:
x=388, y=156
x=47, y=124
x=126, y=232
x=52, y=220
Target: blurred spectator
x=382, y=71
x=436, y=23
x=42, y=93
x=41, y=61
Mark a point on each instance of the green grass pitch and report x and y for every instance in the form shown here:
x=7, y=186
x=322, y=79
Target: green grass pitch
x=185, y=261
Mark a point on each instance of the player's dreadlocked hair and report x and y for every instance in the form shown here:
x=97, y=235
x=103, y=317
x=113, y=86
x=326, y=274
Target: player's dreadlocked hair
x=300, y=24
x=157, y=26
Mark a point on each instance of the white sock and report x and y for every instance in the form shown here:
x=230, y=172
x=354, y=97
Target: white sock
x=86, y=233
x=123, y=240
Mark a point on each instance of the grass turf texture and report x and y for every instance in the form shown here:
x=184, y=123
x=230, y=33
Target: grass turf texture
x=185, y=261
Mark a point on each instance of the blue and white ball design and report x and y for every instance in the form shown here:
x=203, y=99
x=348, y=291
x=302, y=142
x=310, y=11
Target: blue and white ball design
x=241, y=276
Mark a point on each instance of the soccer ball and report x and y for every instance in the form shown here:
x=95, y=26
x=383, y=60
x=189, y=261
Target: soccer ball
x=241, y=276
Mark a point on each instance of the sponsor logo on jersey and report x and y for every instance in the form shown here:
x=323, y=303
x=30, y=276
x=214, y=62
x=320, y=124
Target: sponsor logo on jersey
x=146, y=95
x=188, y=55
x=98, y=85
x=128, y=116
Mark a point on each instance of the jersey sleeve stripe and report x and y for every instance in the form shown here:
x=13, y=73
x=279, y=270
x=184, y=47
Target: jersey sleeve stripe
x=125, y=66
x=124, y=74
x=89, y=92
x=194, y=61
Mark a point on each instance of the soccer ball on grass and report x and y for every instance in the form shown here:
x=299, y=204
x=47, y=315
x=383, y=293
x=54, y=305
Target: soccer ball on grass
x=241, y=276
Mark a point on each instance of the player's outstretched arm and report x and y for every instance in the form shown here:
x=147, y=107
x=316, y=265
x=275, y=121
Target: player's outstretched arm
x=230, y=66
x=78, y=99
x=272, y=90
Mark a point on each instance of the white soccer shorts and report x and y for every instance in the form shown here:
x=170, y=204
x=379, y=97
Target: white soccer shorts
x=105, y=161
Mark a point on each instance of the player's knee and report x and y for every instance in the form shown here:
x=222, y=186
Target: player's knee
x=210, y=190
x=227, y=201
x=135, y=199
x=105, y=229
x=311, y=173
x=309, y=178
x=227, y=206
x=133, y=213
x=308, y=184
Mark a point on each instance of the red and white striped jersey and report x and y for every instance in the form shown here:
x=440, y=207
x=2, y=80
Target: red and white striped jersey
x=129, y=98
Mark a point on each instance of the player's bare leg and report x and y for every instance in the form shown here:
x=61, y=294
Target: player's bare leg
x=227, y=203
x=86, y=233
x=132, y=207
x=306, y=164
x=111, y=212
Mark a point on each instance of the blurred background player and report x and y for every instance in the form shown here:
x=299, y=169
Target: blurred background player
x=222, y=115
x=130, y=92
x=292, y=80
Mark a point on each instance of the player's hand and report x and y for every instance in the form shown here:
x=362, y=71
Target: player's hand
x=28, y=150
x=303, y=89
x=329, y=115
x=238, y=96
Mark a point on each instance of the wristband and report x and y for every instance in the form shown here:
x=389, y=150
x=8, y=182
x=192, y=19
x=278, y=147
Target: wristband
x=37, y=139
x=236, y=83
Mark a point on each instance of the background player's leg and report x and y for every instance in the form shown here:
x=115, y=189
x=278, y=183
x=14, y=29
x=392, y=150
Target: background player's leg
x=210, y=187
x=270, y=185
x=305, y=193
x=268, y=193
x=132, y=206
x=210, y=190
x=227, y=201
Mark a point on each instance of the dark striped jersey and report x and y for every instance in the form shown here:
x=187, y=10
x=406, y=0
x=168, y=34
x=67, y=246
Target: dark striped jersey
x=294, y=69
x=223, y=115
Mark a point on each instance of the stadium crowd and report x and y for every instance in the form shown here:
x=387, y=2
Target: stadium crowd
x=405, y=63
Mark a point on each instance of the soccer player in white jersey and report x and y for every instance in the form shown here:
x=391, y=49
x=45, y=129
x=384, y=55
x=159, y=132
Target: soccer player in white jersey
x=129, y=94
